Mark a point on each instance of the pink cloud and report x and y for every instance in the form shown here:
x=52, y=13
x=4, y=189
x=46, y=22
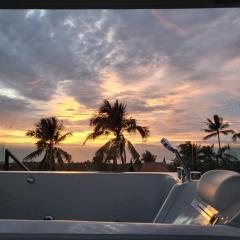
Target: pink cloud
x=165, y=22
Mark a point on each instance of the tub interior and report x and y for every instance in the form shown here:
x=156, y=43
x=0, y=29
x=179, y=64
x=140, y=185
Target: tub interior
x=120, y=197
x=123, y=197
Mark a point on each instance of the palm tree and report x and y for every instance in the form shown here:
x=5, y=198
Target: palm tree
x=208, y=153
x=48, y=133
x=216, y=127
x=147, y=156
x=191, y=154
x=236, y=136
x=226, y=157
x=113, y=119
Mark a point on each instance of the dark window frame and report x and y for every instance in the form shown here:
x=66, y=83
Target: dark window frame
x=116, y=4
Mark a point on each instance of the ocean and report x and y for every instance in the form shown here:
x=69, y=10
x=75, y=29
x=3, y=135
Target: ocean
x=82, y=153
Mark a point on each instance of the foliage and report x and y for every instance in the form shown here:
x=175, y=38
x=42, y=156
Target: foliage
x=49, y=134
x=147, y=156
x=113, y=119
x=204, y=158
x=216, y=127
x=131, y=167
x=236, y=136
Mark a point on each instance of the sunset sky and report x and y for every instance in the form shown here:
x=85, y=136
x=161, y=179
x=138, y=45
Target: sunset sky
x=173, y=69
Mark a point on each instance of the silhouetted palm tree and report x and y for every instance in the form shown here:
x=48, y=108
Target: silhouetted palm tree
x=216, y=127
x=147, y=156
x=191, y=154
x=48, y=133
x=236, y=136
x=226, y=156
x=112, y=119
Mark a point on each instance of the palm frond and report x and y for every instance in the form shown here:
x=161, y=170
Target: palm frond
x=209, y=121
x=105, y=147
x=210, y=135
x=236, y=136
x=224, y=125
x=129, y=123
x=94, y=135
x=31, y=133
x=63, y=154
x=34, y=154
x=208, y=130
x=144, y=131
x=133, y=151
x=226, y=132
x=98, y=120
x=105, y=107
x=109, y=151
x=59, y=158
x=41, y=144
x=63, y=137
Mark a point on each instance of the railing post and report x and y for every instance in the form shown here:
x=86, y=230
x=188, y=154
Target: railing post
x=6, y=161
x=6, y=164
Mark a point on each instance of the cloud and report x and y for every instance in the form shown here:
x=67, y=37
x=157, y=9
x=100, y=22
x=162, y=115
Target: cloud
x=168, y=24
x=164, y=64
x=16, y=113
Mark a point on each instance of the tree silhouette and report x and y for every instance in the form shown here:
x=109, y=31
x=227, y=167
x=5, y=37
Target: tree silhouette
x=205, y=158
x=191, y=154
x=216, y=127
x=147, y=156
x=48, y=132
x=226, y=157
x=209, y=159
x=112, y=119
x=236, y=136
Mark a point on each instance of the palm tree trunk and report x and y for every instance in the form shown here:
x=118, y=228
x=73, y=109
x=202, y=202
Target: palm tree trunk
x=52, y=162
x=114, y=167
x=121, y=156
x=119, y=139
x=193, y=165
x=124, y=155
x=194, y=161
x=219, y=145
x=121, y=153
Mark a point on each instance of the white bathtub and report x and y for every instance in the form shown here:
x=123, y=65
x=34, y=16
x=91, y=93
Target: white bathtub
x=102, y=206
x=124, y=197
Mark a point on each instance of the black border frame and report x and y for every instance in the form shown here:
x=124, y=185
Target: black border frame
x=116, y=4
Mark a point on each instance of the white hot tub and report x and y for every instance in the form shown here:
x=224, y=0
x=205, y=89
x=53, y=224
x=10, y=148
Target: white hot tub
x=77, y=205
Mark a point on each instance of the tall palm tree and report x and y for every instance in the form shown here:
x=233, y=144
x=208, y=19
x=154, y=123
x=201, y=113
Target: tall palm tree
x=48, y=132
x=216, y=127
x=112, y=119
